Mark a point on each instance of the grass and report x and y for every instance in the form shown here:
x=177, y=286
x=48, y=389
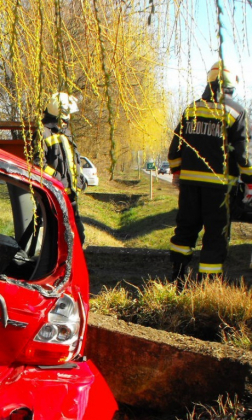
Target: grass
x=213, y=310
x=225, y=408
x=6, y=219
x=217, y=310
x=149, y=224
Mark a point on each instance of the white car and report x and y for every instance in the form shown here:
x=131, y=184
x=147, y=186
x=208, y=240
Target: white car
x=89, y=171
x=164, y=168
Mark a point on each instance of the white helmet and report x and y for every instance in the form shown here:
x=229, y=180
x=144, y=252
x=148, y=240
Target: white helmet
x=62, y=105
x=230, y=75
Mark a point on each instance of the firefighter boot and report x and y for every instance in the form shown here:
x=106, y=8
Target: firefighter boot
x=179, y=275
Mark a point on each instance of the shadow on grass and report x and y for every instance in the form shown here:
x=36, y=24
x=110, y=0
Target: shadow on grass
x=137, y=229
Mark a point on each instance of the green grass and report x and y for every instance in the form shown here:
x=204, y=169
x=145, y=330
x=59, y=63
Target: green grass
x=218, y=311
x=151, y=223
x=147, y=225
x=6, y=220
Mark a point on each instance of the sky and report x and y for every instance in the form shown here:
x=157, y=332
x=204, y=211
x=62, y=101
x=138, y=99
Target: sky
x=198, y=44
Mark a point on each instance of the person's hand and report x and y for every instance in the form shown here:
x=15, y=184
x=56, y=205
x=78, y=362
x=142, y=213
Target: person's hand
x=175, y=179
x=248, y=194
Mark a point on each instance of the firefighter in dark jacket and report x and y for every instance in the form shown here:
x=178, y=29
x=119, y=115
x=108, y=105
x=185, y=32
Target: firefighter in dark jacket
x=210, y=150
x=56, y=152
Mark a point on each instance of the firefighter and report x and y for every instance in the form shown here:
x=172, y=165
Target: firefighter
x=60, y=157
x=210, y=149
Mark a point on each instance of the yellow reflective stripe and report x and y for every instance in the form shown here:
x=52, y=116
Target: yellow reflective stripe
x=214, y=111
x=233, y=114
x=205, y=110
x=185, y=250
x=207, y=177
x=205, y=113
x=246, y=171
x=210, y=268
x=51, y=140
x=69, y=191
x=48, y=170
x=230, y=119
x=70, y=154
x=175, y=162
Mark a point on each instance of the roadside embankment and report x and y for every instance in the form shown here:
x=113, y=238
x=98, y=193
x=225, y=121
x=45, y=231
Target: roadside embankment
x=157, y=370
x=110, y=265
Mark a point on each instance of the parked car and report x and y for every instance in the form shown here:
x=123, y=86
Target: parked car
x=89, y=171
x=44, y=302
x=164, y=168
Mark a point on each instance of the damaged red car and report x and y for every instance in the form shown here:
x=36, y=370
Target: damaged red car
x=44, y=295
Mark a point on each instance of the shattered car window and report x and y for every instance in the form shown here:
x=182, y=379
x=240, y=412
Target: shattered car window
x=28, y=247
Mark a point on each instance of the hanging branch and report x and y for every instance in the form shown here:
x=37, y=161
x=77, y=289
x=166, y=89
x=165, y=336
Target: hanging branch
x=224, y=117
x=107, y=77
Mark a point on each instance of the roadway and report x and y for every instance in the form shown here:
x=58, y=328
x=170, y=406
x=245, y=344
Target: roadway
x=165, y=177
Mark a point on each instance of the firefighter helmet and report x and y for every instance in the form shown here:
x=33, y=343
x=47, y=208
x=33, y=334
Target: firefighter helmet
x=62, y=105
x=230, y=75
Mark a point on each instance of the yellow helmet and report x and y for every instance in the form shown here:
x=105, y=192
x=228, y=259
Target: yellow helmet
x=62, y=105
x=230, y=75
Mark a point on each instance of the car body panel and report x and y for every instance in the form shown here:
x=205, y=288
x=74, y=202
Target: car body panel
x=78, y=392
x=58, y=268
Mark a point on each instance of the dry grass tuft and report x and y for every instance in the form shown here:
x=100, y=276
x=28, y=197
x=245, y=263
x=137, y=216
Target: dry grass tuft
x=213, y=310
x=225, y=409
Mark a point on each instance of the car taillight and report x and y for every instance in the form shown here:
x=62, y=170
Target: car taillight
x=64, y=324
x=58, y=339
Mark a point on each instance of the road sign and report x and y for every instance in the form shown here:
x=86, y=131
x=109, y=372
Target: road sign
x=150, y=166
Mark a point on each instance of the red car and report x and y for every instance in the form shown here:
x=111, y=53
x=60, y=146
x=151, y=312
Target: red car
x=44, y=295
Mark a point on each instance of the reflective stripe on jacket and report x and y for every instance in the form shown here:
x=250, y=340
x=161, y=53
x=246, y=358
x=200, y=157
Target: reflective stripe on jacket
x=60, y=158
x=198, y=151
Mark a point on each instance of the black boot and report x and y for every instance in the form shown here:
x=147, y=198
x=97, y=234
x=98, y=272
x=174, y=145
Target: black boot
x=178, y=275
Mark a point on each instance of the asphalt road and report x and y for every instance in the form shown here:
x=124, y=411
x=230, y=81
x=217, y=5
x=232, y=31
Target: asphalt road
x=165, y=177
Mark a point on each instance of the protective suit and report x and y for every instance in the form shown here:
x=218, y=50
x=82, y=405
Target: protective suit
x=210, y=150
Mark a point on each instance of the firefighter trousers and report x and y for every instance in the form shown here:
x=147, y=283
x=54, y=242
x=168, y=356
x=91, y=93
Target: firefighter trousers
x=201, y=207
